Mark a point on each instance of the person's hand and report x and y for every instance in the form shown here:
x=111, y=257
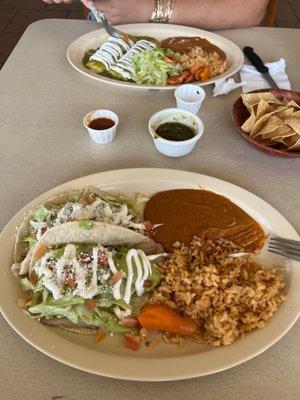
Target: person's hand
x=58, y=1
x=125, y=11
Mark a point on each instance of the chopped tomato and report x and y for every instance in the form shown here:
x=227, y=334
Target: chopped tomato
x=131, y=322
x=33, y=278
x=117, y=277
x=40, y=251
x=148, y=283
x=148, y=228
x=162, y=318
x=43, y=230
x=90, y=304
x=131, y=342
x=100, y=336
x=70, y=281
x=102, y=258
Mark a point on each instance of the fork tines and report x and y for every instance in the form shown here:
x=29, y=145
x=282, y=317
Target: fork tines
x=285, y=247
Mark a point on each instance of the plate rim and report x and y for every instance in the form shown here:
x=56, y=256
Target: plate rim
x=156, y=174
x=115, y=82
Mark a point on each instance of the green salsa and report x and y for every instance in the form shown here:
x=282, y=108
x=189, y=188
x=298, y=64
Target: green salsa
x=175, y=131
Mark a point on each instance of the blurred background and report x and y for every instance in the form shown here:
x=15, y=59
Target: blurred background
x=16, y=15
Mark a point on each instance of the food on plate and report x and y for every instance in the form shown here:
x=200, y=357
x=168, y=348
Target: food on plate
x=175, y=131
x=179, y=215
x=273, y=122
x=92, y=263
x=108, y=54
x=225, y=296
x=146, y=61
x=199, y=58
x=86, y=204
x=85, y=286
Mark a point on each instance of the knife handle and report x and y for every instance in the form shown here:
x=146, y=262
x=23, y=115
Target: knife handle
x=255, y=60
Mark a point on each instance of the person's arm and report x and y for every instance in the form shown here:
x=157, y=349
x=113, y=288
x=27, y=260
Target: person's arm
x=206, y=14
x=219, y=14
x=58, y=1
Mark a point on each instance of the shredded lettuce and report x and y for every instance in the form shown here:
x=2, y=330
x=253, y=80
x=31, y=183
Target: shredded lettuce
x=85, y=224
x=31, y=240
x=27, y=285
x=151, y=69
x=44, y=310
x=156, y=277
x=102, y=318
x=108, y=303
x=56, y=253
x=41, y=214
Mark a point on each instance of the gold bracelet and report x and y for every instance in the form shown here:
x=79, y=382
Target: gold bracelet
x=169, y=10
x=162, y=13
x=158, y=12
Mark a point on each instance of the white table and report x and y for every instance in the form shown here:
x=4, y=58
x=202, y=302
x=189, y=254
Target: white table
x=43, y=144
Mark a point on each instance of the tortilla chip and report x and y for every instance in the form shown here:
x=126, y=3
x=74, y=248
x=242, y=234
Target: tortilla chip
x=261, y=122
x=272, y=124
x=251, y=99
x=266, y=142
x=292, y=103
x=286, y=113
x=293, y=123
x=289, y=141
x=263, y=108
x=296, y=114
x=248, y=124
x=296, y=146
x=281, y=133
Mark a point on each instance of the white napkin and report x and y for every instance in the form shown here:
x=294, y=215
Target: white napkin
x=255, y=80
x=224, y=86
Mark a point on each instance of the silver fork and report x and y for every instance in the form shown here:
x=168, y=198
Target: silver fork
x=285, y=247
x=101, y=18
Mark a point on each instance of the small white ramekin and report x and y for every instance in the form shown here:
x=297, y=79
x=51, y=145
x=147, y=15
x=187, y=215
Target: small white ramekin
x=189, y=97
x=169, y=147
x=104, y=136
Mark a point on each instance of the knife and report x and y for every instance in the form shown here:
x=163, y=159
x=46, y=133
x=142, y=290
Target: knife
x=259, y=65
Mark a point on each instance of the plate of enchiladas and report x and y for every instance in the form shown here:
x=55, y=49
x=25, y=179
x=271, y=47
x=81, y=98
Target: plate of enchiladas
x=156, y=56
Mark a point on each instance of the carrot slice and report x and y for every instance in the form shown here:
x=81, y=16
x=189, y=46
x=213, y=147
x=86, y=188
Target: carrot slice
x=90, y=304
x=198, y=74
x=169, y=60
x=131, y=342
x=190, y=78
x=173, y=80
x=205, y=75
x=40, y=251
x=183, y=76
x=162, y=318
x=197, y=65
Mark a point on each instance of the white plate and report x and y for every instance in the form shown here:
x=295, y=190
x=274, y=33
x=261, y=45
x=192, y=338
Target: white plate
x=94, y=39
x=165, y=362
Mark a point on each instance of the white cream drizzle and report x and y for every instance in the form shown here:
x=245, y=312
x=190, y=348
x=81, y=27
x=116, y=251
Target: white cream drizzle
x=111, y=51
x=125, y=66
x=143, y=271
x=55, y=283
x=138, y=271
